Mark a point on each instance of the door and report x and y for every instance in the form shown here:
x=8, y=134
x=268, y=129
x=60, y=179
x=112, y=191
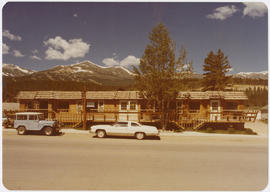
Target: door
x=215, y=110
x=123, y=108
x=33, y=123
x=120, y=128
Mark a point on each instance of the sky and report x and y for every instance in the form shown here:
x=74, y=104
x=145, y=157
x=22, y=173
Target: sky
x=39, y=36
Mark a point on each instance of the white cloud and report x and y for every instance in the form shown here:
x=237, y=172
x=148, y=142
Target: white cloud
x=35, y=57
x=17, y=53
x=10, y=36
x=126, y=62
x=223, y=13
x=61, y=49
x=254, y=9
x=5, y=48
x=35, y=51
x=110, y=62
x=129, y=61
x=75, y=15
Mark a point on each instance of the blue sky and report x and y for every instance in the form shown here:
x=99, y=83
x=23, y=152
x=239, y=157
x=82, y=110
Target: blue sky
x=39, y=36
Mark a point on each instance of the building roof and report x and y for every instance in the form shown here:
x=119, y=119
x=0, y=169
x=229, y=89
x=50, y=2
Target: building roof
x=198, y=95
x=130, y=95
x=10, y=106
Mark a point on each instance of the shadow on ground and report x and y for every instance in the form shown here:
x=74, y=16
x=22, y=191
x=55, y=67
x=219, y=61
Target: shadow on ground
x=130, y=137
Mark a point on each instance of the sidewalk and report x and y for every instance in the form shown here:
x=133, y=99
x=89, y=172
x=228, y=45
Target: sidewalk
x=162, y=133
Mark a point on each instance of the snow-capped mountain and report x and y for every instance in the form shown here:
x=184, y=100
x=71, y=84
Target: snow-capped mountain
x=85, y=71
x=252, y=75
x=15, y=71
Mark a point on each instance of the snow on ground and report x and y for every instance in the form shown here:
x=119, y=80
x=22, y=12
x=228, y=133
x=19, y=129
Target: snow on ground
x=259, y=127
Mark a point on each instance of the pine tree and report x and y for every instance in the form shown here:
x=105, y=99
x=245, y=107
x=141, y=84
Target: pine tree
x=159, y=74
x=216, y=66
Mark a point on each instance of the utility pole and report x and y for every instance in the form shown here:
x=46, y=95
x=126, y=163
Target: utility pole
x=84, y=107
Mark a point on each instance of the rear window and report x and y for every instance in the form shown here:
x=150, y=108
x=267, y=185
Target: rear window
x=32, y=117
x=21, y=117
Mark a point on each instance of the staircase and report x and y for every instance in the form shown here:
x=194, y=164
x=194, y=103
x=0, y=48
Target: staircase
x=191, y=125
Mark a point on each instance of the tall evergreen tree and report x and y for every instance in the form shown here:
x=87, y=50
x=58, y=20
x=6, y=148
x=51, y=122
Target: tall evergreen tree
x=159, y=73
x=216, y=66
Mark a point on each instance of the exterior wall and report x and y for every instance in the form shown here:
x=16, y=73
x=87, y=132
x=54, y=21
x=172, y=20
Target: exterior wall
x=22, y=106
x=73, y=107
x=110, y=105
x=241, y=105
x=204, y=108
x=112, y=110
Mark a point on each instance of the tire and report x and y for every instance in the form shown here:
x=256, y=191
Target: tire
x=48, y=131
x=101, y=133
x=139, y=135
x=21, y=130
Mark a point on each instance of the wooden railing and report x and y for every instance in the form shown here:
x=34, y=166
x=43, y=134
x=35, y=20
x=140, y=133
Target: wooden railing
x=185, y=119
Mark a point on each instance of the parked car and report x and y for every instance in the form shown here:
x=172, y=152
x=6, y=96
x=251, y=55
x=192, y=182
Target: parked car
x=126, y=128
x=33, y=121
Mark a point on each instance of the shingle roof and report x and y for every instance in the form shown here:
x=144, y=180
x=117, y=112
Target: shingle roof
x=49, y=95
x=213, y=95
x=127, y=95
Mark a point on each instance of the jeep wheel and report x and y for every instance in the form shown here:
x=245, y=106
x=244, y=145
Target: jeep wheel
x=48, y=131
x=139, y=135
x=101, y=133
x=21, y=130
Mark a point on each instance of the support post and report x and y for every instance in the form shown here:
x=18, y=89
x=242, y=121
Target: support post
x=84, y=108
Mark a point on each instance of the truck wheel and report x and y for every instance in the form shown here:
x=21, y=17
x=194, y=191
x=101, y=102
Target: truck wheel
x=101, y=133
x=48, y=131
x=139, y=135
x=21, y=130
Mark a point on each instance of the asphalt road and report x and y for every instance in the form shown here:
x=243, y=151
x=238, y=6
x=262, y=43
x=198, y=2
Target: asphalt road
x=81, y=162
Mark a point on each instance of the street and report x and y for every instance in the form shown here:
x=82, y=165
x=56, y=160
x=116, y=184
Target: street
x=82, y=162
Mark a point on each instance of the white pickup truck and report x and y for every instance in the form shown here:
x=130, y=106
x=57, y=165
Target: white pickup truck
x=126, y=128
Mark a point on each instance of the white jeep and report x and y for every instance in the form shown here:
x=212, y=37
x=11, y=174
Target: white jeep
x=34, y=121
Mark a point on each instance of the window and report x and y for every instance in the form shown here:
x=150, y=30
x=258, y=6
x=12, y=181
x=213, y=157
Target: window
x=194, y=107
x=215, y=105
x=30, y=105
x=133, y=105
x=180, y=107
x=230, y=106
x=63, y=105
x=124, y=105
x=32, y=117
x=21, y=117
x=135, y=125
x=121, y=124
x=91, y=106
x=101, y=105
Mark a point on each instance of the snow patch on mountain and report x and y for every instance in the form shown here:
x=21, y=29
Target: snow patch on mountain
x=14, y=70
x=125, y=69
x=79, y=69
x=252, y=75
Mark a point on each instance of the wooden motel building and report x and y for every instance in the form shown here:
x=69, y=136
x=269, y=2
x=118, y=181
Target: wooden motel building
x=191, y=109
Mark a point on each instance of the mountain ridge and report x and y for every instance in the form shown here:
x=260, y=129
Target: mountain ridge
x=89, y=71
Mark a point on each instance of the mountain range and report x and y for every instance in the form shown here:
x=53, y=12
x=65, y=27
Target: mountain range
x=85, y=71
x=88, y=71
